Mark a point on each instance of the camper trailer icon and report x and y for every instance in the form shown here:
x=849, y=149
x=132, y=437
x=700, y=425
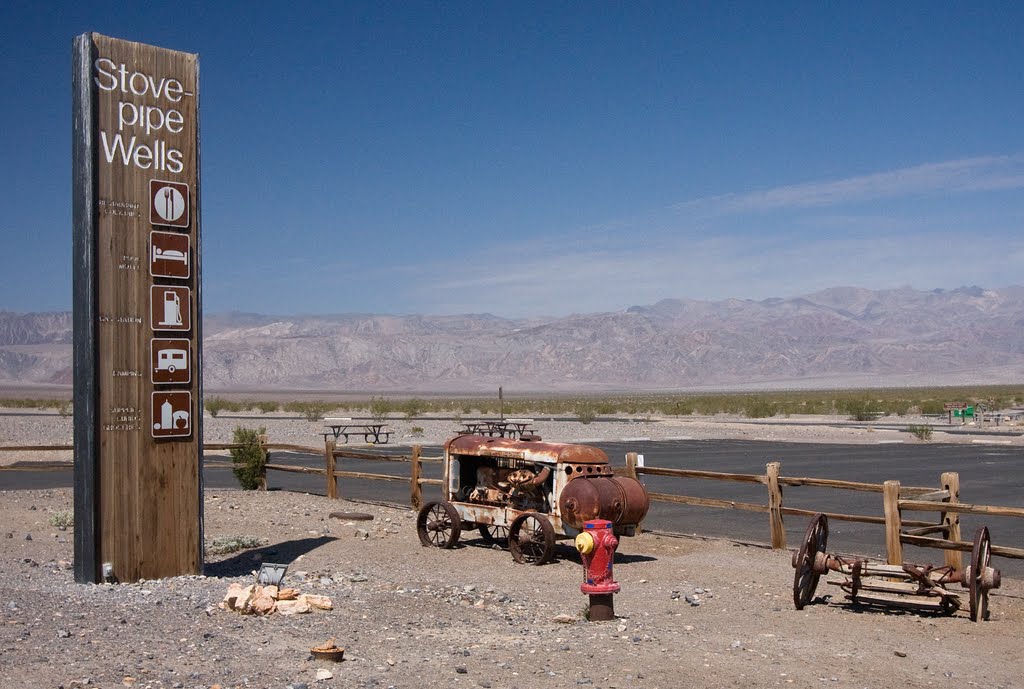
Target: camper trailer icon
x=170, y=360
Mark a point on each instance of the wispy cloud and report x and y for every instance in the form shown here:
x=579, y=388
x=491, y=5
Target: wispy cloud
x=987, y=173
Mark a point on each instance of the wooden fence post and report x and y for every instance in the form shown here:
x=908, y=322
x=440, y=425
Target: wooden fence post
x=950, y=481
x=415, y=489
x=266, y=459
x=893, y=522
x=632, y=459
x=775, y=506
x=332, y=480
x=631, y=465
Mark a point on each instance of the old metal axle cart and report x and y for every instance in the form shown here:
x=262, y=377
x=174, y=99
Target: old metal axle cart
x=529, y=493
x=913, y=587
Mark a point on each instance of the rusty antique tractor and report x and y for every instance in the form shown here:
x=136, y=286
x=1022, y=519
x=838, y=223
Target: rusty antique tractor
x=527, y=493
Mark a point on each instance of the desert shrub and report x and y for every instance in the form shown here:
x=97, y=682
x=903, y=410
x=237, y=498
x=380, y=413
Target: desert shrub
x=416, y=431
x=314, y=411
x=920, y=432
x=223, y=545
x=65, y=408
x=380, y=407
x=215, y=405
x=266, y=407
x=413, y=407
x=62, y=519
x=585, y=412
x=249, y=460
x=760, y=408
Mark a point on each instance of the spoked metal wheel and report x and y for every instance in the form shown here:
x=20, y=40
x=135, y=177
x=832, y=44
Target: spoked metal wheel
x=982, y=576
x=438, y=524
x=494, y=535
x=805, y=579
x=531, y=539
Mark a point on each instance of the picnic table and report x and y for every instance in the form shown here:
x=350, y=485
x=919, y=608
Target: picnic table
x=503, y=428
x=376, y=433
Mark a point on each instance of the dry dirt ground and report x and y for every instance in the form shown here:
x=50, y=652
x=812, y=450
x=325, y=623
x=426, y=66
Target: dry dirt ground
x=415, y=617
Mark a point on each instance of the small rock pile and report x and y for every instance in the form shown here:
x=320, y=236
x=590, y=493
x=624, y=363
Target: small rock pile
x=266, y=600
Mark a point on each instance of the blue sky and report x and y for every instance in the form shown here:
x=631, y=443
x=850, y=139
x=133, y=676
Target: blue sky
x=528, y=159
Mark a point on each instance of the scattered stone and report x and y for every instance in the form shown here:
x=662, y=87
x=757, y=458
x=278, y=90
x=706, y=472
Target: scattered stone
x=564, y=619
x=63, y=634
x=28, y=537
x=900, y=654
x=461, y=670
x=356, y=578
x=324, y=674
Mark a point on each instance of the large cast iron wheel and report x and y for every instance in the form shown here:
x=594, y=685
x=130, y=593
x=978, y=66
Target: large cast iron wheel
x=981, y=556
x=494, y=535
x=531, y=539
x=805, y=579
x=438, y=524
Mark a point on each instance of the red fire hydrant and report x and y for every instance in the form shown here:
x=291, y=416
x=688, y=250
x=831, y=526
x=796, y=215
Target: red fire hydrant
x=597, y=544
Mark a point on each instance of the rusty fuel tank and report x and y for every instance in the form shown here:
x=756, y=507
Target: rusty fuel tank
x=619, y=499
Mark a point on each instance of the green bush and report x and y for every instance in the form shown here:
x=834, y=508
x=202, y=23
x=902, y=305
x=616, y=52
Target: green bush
x=920, y=432
x=250, y=460
x=380, y=407
x=760, y=408
x=585, y=412
x=62, y=519
x=416, y=431
x=266, y=407
x=215, y=405
x=413, y=407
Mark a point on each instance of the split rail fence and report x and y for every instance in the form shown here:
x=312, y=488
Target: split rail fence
x=896, y=499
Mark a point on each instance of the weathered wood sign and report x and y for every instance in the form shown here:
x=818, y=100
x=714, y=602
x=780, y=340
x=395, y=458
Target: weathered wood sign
x=137, y=311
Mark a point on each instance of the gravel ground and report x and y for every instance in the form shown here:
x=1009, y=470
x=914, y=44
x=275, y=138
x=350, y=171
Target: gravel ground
x=691, y=612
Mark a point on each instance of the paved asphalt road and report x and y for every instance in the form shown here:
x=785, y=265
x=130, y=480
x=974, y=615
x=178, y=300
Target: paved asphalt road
x=989, y=474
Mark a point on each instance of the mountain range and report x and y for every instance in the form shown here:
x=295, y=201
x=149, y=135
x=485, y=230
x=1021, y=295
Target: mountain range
x=839, y=337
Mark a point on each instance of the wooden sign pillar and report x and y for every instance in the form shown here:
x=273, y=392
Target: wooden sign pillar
x=137, y=311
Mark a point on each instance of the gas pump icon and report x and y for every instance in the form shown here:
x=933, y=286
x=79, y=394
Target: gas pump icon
x=170, y=308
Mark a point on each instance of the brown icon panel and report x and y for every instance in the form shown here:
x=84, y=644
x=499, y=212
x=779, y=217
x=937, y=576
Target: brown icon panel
x=171, y=415
x=170, y=308
x=169, y=255
x=168, y=203
x=170, y=361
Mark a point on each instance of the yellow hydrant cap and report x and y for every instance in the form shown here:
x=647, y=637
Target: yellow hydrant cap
x=584, y=543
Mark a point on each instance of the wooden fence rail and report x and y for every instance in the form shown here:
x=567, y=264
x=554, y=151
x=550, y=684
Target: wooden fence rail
x=896, y=499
